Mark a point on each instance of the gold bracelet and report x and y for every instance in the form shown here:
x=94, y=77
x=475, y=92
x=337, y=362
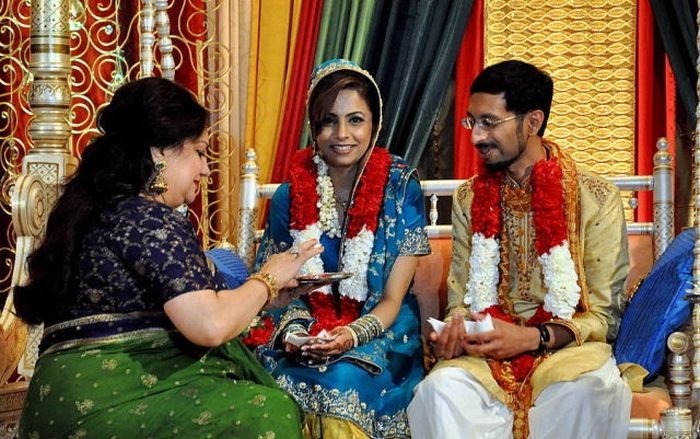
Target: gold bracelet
x=270, y=282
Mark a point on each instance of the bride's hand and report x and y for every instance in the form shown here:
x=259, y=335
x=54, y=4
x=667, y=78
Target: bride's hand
x=342, y=342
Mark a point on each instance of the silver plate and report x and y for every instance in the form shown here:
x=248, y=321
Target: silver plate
x=323, y=278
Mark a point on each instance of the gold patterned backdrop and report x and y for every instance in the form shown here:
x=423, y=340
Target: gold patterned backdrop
x=588, y=47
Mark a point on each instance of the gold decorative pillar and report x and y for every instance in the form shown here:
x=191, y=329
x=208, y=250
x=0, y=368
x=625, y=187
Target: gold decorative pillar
x=49, y=159
x=247, y=210
x=50, y=96
x=147, y=38
x=45, y=168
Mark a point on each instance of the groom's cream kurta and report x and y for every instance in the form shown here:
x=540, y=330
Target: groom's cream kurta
x=603, y=266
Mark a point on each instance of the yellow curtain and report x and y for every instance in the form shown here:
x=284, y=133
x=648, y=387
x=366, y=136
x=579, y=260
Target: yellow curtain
x=272, y=30
x=235, y=23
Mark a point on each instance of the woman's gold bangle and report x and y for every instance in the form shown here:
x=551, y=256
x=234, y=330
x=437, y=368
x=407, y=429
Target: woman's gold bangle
x=270, y=282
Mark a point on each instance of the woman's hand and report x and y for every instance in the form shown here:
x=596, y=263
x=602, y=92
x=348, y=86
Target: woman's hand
x=284, y=266
x=341, y=343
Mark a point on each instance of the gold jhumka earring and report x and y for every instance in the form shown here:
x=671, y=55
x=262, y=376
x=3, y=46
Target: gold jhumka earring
x=158, y=184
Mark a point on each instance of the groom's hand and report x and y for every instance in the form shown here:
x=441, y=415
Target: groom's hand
x=505, y=341
x=448, y=344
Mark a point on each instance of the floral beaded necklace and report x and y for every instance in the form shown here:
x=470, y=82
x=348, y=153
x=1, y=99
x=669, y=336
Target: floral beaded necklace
x=313, y=212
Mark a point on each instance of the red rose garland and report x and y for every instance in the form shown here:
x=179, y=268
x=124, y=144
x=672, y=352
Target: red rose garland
x=303, y=209
x=259, y=332
x=486, y=207
x=551, y=231
x=368, y=198
x=324, y=311
x=548, y=206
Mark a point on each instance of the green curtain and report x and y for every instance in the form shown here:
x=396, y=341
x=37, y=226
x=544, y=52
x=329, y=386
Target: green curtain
x=414, y=49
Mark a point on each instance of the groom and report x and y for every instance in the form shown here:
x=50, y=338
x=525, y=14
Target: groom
x=539, y=244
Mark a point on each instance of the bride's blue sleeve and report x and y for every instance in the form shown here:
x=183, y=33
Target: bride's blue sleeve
x=276, y=238
x=412, y=216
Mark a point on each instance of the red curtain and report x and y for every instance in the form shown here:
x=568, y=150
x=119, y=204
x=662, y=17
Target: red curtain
x=470, y=62
x=294, y=110
x=189, y=23
x=654, y=106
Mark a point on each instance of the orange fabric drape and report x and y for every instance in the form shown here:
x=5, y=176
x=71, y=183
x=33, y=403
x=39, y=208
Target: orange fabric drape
x=470, y=61
x=272, y=31
x=652, y=106
x=292, y=121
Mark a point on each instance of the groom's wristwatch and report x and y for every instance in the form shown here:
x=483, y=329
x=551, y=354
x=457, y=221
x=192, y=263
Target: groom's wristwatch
x=545, y=337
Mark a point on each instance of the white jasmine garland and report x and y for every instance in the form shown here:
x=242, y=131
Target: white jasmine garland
x=356, y=260
x=482, y=286
x=558, y=270
x=327, y=213
x=560, y=280
x=313, y=265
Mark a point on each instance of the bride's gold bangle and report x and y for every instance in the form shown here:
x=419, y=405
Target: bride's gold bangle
x=270, y=282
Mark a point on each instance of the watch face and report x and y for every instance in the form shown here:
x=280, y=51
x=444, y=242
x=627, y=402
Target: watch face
x=322, y=278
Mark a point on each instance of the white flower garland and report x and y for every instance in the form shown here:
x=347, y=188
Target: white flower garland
x=561, y=281
x=327, y=213
x=356, y=260
x=558, y=269
x=482, y=287
x=357, y=250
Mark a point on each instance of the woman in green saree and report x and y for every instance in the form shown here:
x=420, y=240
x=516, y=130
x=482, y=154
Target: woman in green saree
x=140, y=341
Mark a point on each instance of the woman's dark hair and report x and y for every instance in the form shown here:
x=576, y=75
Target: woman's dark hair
x=524, y=87
x=150, y=112
x=326, y=91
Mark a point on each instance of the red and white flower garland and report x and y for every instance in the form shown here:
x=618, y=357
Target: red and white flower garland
x=551, y=242
x=313, y=212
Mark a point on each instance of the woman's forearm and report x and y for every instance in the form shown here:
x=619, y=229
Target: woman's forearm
x=209, y=318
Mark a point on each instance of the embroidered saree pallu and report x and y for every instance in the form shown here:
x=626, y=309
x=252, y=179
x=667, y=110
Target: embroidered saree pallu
x=150, y=382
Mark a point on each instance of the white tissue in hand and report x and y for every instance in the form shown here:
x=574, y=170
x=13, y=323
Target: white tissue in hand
x=299, y=340
x=472, y=327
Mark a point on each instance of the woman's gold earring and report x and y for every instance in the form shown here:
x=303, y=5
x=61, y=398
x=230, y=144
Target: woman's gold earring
x=158, y=184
